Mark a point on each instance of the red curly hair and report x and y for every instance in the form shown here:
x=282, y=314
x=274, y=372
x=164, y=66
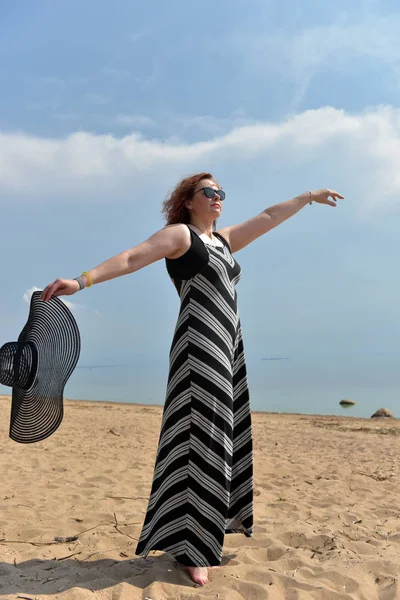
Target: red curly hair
x=173, y=208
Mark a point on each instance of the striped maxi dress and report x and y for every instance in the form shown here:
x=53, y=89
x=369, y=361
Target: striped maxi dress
x=203, y=477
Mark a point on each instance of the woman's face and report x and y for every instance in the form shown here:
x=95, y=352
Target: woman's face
x=201, y=205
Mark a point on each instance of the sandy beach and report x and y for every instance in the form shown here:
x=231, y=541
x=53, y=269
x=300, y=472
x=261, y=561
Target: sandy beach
x=327, y=511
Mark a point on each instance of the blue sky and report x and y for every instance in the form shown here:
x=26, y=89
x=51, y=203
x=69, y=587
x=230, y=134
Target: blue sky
x=104, y=107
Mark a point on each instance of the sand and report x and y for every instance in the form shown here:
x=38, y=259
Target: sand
x=327, y=511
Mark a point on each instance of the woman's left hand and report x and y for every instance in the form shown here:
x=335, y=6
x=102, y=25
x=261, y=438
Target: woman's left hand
x=322, y=197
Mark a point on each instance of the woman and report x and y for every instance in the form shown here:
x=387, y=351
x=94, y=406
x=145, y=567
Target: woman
x=203, y=477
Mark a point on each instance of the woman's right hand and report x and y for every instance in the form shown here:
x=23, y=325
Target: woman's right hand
x=60, y=287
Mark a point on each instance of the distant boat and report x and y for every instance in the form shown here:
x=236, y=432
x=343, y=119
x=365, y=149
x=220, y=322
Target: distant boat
x=347, y=403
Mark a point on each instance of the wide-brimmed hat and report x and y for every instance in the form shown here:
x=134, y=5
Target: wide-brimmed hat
x=38, y=366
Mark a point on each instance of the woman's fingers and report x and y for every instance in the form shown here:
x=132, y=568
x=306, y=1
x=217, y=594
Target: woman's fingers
x=334, y=195
x=51, y=290
x=60, y=287
x=323, y=197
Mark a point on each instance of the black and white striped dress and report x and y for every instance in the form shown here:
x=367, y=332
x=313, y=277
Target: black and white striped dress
x=203, y=477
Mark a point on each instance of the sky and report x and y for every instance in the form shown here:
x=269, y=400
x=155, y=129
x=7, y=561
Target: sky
x=104, y=107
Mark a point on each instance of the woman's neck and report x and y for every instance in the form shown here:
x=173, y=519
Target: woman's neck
x=205, y=228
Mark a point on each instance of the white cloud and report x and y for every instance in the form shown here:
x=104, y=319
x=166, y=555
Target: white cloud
x=28, y=295
x=356, y=153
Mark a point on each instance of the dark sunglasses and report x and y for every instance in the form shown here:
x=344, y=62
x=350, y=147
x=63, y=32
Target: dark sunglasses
x=210, y=192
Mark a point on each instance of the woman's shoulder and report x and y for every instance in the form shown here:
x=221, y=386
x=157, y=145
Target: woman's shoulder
x=180, y=234
x=177, y=226
x=182, y=239
x=190, y=260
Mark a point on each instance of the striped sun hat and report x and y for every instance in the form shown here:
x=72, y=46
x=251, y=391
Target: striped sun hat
x=37, y=367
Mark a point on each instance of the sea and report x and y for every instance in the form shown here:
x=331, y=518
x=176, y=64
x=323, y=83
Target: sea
x=301, y=385
x=297, y=384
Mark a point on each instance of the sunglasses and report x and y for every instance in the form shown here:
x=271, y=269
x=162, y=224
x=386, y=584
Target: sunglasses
x=210, y=192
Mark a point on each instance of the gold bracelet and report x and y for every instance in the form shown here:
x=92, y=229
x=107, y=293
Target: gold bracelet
x=89, y=277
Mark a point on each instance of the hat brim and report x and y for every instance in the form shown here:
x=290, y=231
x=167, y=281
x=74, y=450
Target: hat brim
x=37, y=412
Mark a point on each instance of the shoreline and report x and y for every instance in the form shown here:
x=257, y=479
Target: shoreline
x=75, y=401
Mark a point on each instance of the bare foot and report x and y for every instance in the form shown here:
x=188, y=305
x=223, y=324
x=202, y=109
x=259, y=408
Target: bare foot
x=198, y=574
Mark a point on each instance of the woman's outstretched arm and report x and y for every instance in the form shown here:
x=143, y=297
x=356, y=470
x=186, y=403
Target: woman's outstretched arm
x=243, y=234
x=169, y=242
